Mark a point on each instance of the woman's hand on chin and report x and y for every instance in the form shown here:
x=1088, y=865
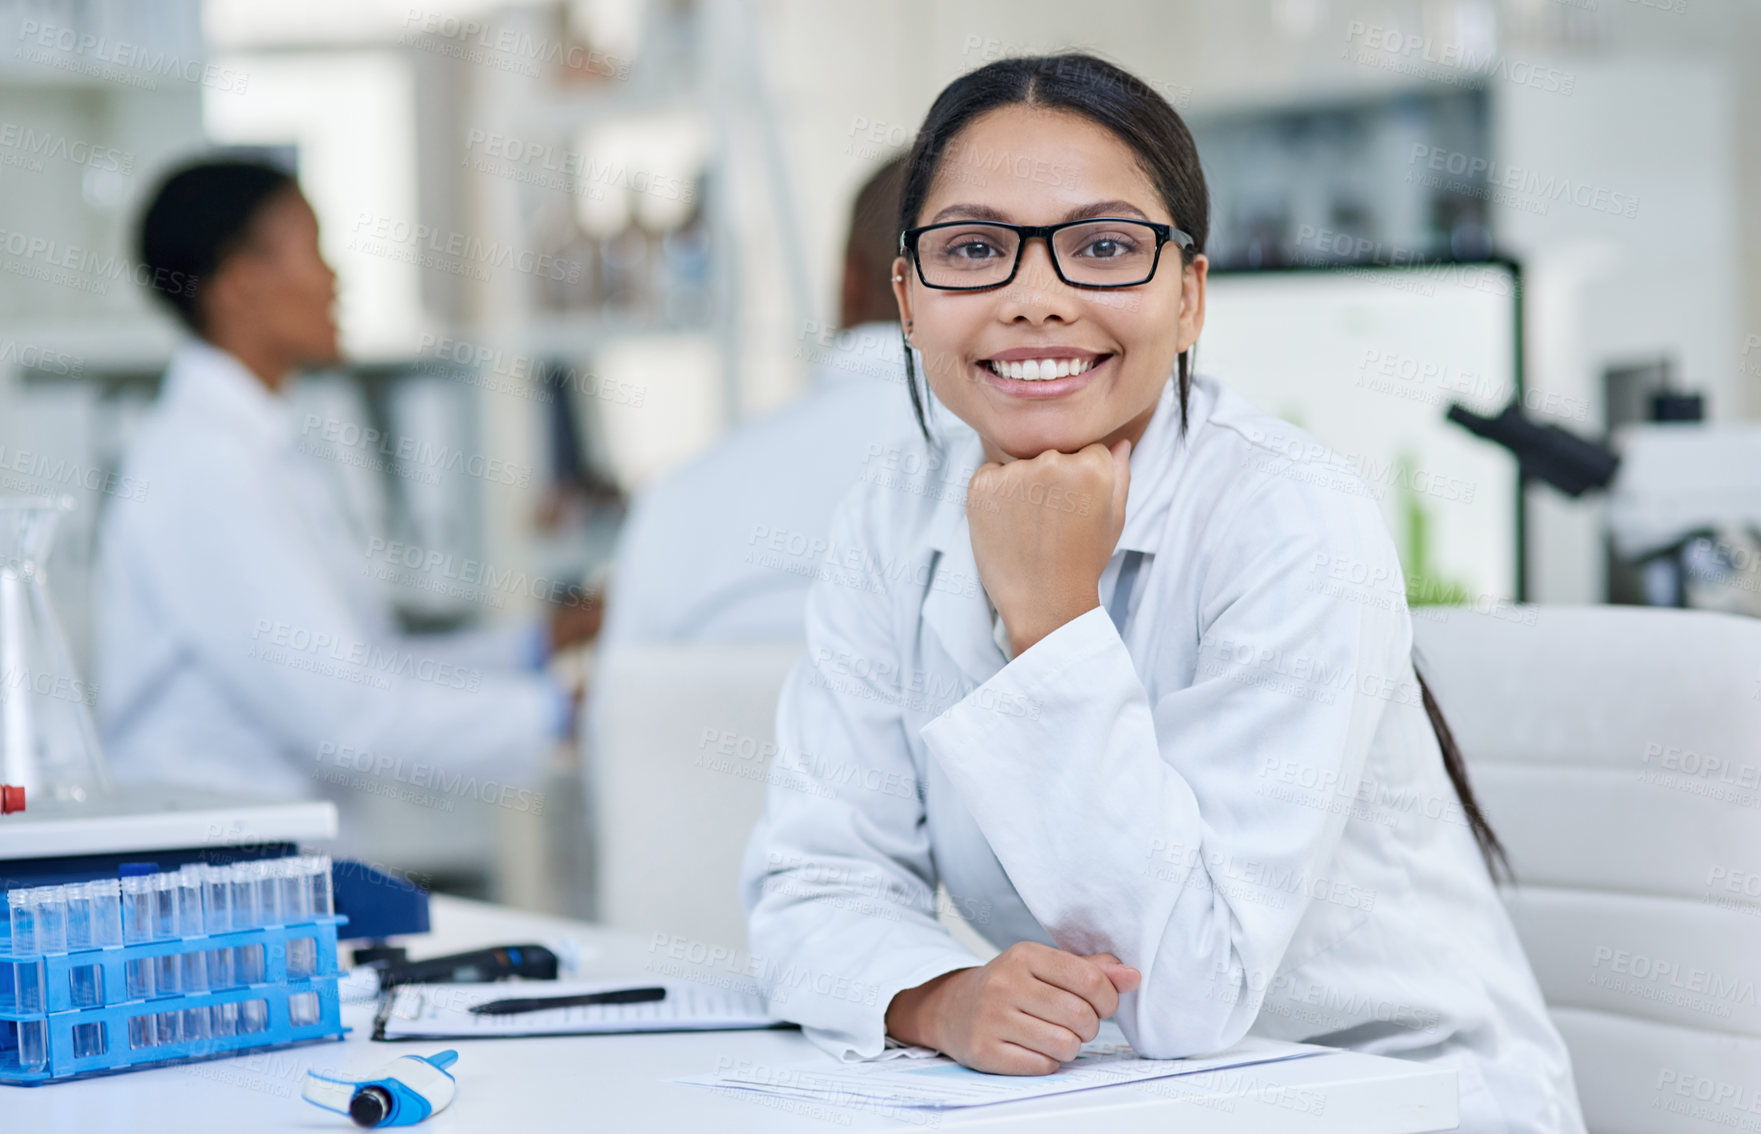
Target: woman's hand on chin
x=1043, y=530
x=1030, y=1009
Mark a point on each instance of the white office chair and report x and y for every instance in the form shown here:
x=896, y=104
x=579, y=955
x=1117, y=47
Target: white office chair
x=676, y=765
x=683, y=738
x=1617, y=753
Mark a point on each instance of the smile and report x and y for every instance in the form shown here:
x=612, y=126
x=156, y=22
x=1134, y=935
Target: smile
x=1040, y=369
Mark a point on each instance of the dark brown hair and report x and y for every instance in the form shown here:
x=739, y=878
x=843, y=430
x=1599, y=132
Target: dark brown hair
x=1135, y=113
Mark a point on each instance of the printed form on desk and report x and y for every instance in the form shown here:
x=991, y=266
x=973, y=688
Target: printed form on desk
x=443, y=1011
x=939, y=1082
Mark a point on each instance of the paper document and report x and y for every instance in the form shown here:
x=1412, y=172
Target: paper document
x=443, y=1011
x=941, y=1083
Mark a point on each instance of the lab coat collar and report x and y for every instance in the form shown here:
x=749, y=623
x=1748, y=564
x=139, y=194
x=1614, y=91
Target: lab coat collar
x=956, y=610
x=208, y=381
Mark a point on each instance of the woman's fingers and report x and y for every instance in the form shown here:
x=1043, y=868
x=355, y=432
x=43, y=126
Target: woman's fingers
x=1078, y=975
x=1121, y=454
x=1054, y=1041
x=1054, y=1005
x=1124, y=977
x=1013, y=1059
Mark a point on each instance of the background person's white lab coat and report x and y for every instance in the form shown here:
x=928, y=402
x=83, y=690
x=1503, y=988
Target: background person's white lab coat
x=241, y=637
x=1241, y=797
x=721, y=549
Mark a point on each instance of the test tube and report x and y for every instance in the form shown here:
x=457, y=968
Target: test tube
x=137, y=927
x=189, y=901
x=296, y=890
x=51, y=928
x=167, y=1028
x=51, y=919
x=318, y=872
x=217, y=916
x=102, y=901
x=299, y=954
x=244, y=896
x=167, y=972
x=268, y=893
x=88, y=1040
x=252, y=880
x=136, y=893
x=79, y=918
x=106, y=897
x=141, y=1032
x=33, y=1044
x=23, y=908
x=27, y=976
x=165, y=904
x=191, y=925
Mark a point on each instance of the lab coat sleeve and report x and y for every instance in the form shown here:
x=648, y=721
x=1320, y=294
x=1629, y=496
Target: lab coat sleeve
x=262, y=611
x=1148, y=831
x=839, y=881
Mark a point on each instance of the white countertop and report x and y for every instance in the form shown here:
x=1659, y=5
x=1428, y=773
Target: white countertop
x=604, y=1084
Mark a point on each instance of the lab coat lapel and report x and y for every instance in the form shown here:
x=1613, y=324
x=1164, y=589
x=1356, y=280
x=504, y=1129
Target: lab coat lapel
x=956, y=615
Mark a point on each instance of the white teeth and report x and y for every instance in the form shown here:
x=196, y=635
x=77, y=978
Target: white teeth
x=1041, y=369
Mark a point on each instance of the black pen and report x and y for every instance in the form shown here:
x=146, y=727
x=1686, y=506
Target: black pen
x=513, y=1007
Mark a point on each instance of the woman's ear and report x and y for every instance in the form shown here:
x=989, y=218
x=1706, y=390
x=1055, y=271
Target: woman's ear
x=1192, y=302
x=902, y=292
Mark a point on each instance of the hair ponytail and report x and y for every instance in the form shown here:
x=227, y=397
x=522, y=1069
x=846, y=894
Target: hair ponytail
x=1497, y=862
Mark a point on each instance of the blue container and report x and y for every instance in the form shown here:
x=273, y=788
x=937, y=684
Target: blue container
x=92, y=1011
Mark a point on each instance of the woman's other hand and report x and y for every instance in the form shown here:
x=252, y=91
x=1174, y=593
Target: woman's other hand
x=1028, y=1010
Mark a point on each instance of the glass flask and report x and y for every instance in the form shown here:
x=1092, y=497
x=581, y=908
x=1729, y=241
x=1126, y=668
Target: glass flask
x=48, y=744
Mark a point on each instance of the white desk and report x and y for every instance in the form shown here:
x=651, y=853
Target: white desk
x=596, y=1084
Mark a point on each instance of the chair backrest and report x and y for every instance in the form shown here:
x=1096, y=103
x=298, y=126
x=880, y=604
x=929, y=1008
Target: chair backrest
x=1617, y=753
x=677, y=769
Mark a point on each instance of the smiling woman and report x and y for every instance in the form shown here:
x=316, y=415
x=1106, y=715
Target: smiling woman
x=1161, y=833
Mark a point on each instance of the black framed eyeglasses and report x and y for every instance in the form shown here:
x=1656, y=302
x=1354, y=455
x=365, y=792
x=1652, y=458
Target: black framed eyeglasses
x=1095, y=252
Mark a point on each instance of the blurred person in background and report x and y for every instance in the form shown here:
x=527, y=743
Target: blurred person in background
x=240, y=638
x=724, y=549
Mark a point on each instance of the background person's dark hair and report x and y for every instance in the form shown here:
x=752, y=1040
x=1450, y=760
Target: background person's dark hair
x=199, y=216
x=1114, y=98
x=873, y=243
x=1099, y=91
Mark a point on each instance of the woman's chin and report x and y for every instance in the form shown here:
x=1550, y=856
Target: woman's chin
x=1025, y=445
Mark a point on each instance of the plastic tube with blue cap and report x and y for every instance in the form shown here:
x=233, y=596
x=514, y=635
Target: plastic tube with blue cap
x=402, y=1093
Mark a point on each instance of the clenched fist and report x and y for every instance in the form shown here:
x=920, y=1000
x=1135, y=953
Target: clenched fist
x=1030, y=1009
x=1043, y=530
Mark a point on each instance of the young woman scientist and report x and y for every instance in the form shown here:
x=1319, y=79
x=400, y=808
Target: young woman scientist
x=1104, y=699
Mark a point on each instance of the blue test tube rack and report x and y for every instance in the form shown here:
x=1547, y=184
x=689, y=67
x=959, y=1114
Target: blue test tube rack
x=71, y=1013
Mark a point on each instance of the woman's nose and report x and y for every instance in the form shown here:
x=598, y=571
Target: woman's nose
x=1036, y=293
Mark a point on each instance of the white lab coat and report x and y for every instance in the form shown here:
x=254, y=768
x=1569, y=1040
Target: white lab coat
x=243, y=644
x=1241, y=797
x=722, y=549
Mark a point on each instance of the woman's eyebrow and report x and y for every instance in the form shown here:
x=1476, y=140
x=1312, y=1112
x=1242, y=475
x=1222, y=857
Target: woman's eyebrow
x=1106, y=209
x=986, y=213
